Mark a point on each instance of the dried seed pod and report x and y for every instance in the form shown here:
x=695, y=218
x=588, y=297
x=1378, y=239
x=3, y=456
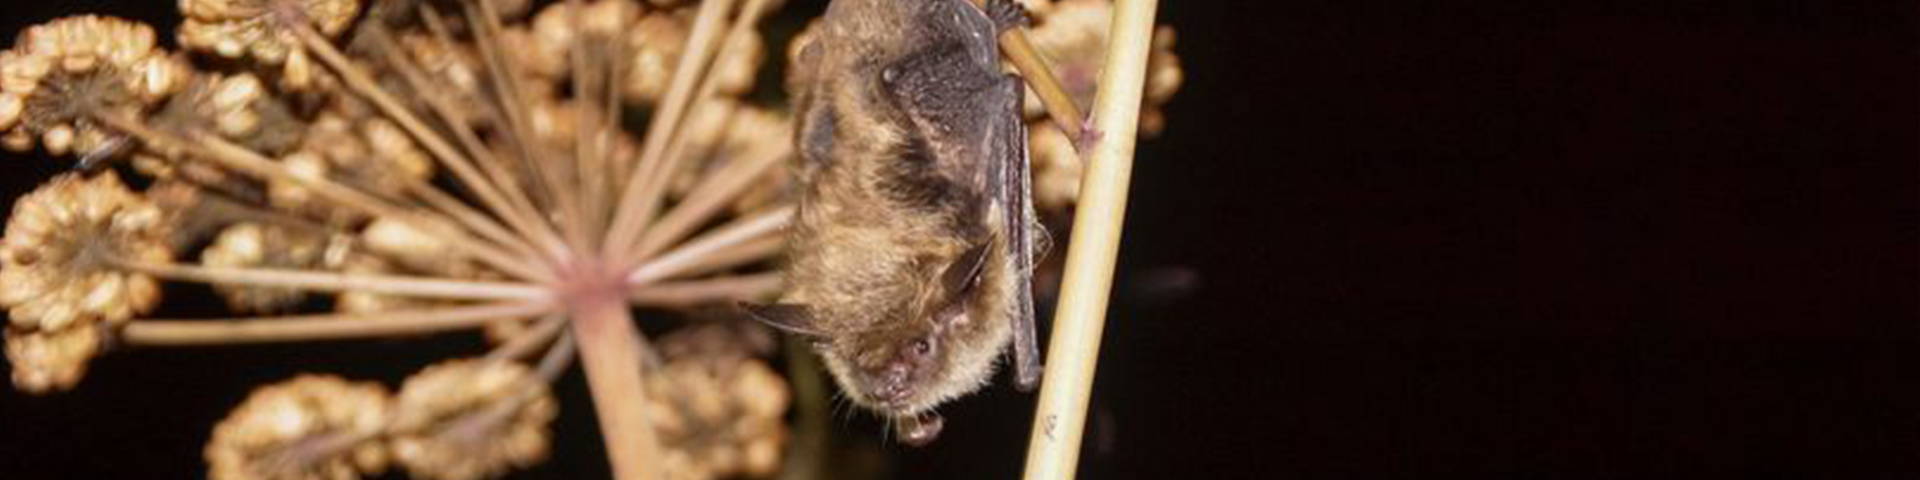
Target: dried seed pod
x=470, y=419
x=252, y=245
x=254, y=28
x=63, y=73
x=58, y=258
x=316, y=427
x=45, y=361
x=416, y=250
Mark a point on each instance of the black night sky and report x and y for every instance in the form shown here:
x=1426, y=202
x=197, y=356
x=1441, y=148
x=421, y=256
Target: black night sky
x=1387, y=240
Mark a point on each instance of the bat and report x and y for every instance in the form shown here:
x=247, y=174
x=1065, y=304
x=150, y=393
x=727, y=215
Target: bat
x=910, y=260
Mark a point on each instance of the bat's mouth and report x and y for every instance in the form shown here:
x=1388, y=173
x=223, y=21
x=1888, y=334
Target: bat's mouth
x=919, y=430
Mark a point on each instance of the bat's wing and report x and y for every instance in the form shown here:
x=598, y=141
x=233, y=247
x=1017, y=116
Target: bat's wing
x=1015, y=197
x=966, y=119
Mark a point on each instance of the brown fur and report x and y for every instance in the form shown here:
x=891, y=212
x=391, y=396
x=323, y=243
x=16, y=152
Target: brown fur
x=896, y=178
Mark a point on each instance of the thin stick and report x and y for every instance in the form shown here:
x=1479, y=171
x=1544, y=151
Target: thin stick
x=709, y=196
x=1060, y=419
x=525, y=343
x=319, y=327
x=689, y=293
x=1040, y=76
x=585, y=74
x=424, y=287
x=676, y=146
x=611, y=350
x=473, y=220
x=247, y=162
x=363, y=84
x=526, y=220
x=698, y=252
x=630, y=216
x=485, y=25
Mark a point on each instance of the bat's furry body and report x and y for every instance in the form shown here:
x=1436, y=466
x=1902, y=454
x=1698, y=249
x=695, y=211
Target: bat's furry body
x=910, y=259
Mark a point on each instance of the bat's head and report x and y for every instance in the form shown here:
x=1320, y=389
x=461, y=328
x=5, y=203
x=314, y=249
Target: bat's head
x=903, y=345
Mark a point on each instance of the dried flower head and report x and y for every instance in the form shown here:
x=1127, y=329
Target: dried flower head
x=263, y=29
x=316, y=427
x=46, y=361
x=63, y=73
x=471, y=419
x=354, y=147
x=254, y=245
x=237, y=107
x=414, y=249
x=58, y=258
x=717, y=408
x=1072, y=34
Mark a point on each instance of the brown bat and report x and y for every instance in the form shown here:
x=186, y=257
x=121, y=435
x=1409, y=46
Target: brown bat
x=910, y=261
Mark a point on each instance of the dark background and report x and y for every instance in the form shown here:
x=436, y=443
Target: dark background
x=1390, y=240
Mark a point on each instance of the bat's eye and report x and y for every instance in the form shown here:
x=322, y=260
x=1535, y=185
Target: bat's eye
x=922, y=348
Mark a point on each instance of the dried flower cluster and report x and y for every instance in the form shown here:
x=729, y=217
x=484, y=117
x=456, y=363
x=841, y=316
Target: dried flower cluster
x=60, y=72
x=458, y=420
x=471, y=419
x=357, y=169
x=59, y=279
x=312, y=427
x=717, y=407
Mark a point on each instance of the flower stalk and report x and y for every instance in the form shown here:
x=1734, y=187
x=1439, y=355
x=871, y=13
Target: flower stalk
x=611, y=352
x=1078, y=322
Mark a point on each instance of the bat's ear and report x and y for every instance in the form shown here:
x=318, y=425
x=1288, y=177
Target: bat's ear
x=792, y=318
x=964, y=273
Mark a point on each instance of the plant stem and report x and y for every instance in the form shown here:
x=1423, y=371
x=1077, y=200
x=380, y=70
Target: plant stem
x=1031, y=65
x=611, y=352
x=339, y=282
x=710, y=196
x=631, y=211
x=1060, y=419
x=527, y=342
x=716, y=242
x=317, y=327
x=248, y=162
x=360, y=82
x=690, y=293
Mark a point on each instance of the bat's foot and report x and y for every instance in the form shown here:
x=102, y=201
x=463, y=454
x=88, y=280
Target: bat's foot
x=1088, y=137
x=1007, y=15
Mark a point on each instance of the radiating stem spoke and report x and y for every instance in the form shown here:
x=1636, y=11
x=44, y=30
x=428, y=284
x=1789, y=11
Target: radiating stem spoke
x=688, y=293
x=426, y=287
x=285, y=328
x=753, y=234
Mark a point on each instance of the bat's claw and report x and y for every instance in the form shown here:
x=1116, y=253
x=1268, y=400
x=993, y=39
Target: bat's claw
x=1007, y=14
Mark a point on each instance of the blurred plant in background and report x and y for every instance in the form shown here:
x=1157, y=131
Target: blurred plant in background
x=346, y=169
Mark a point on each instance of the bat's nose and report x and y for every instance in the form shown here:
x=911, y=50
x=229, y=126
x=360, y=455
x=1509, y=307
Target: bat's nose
x=893, y=384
